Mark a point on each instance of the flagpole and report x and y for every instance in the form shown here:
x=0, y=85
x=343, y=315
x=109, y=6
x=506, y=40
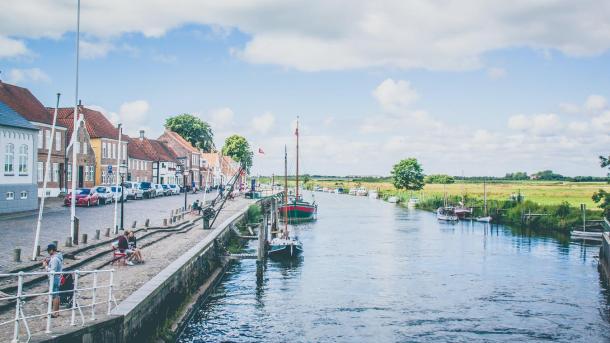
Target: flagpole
x=117, y=173
x=35, y=251
x=74, y=161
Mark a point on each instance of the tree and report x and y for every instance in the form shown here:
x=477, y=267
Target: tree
x=193, y=129
x=238, y=148
x=601, y=197
x=439, y=178
x=408, y=174
x=517, y=176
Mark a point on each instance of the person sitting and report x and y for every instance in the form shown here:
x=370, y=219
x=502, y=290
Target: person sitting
x=132, y=243
x=123, y=246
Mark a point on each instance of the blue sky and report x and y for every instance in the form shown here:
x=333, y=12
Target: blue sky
x=480, y=97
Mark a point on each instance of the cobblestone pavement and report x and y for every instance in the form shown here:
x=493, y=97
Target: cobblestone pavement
x=19, y=232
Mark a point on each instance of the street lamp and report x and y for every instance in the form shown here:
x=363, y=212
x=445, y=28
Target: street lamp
x=122, y=172
x=181, y=170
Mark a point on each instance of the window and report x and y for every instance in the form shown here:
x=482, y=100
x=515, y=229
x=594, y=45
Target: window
x=40, y=171
x=112, y=151
x=104, y=150
x=124, y=151
x=91, y=173
x=9, y=155
x=40, y=139
x=69, y=173
x=23, y=159
x=10, y=195
x=58, y=141
x=55, y=172
x=77, y=147
x=85, y=148
x=24, y=195
x=48, y=137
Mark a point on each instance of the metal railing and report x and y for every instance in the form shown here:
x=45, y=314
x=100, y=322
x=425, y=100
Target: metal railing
x=21, y=298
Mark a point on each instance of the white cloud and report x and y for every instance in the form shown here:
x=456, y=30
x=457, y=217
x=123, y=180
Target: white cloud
x=595, y=103
x=395, y=95
x=263, y=123
x=317, y=35
x=92, y=50
x=569, y=108
x=27, y=75
x=539, y=124
x=132, y=115
x=496, y=73
x=11, y=47
x=221, y=118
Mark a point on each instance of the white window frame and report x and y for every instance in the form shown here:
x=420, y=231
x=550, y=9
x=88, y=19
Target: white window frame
x=55, y=172
x=23, y=195
x=69, y=172
x=10, y=195
x=48, y=139
x=9, y=159
x=58, y=141
x=40, y=168
x=23, y=159
x=40, y=139
x=104, y=150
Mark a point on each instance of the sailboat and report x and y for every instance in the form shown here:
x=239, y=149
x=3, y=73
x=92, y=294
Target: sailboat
x=296, y=209
x=446, y=213
x=486, y=218
x=284, y=245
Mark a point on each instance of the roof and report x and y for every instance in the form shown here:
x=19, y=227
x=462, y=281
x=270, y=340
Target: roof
x=150, y=150
x=8, y=117
x=180, y=140
x=22, y=101
x=98, y=126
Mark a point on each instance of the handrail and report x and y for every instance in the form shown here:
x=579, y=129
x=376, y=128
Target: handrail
x=21, y=297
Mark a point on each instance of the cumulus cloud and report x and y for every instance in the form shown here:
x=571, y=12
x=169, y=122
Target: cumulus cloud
x=92, y=50
x=221, y=118
x=19, y=76
x=263, y=123
x=595, y=103
x=11, y=47
x=496, y=73
x=395, y=95
x=539, y=124
x=330, y=35
x=132, y=115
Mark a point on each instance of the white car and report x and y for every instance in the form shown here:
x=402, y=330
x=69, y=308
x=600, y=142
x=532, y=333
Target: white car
x=104, y=193
x=175, y=189
x=134, y=190
x=116, y=191
x=158, y=189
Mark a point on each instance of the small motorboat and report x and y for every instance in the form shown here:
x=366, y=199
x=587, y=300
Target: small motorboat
x=362, y=192
x=412, y=202
x=393, y=199
x=373, y=195
x=486, y=219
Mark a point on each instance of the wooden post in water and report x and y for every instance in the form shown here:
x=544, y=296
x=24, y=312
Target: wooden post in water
x=261, y=238
x=583, y=210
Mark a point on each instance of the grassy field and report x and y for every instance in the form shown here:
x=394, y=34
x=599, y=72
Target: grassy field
x=541, y=192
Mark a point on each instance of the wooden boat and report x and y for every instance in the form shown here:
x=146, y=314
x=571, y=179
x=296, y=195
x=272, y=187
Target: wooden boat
x=285, y=246
x=296, y=209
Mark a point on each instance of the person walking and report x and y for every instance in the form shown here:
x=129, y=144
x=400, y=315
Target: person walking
x=54, y=263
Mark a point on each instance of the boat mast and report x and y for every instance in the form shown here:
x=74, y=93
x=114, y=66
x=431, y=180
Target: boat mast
x=485, y=196
x=297, y=134
x=286, y=189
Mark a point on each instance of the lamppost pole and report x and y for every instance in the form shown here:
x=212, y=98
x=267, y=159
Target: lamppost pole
x=122, y=200
x=185, y=191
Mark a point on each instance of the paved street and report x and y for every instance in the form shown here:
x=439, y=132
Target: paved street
x=19, y=232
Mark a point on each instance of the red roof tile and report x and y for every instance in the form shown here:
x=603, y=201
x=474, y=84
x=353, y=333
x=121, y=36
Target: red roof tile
x=98, y=126
x=186, y=144
x=25, y=103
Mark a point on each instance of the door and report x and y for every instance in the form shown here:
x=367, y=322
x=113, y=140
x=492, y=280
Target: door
x=80, y=176
x=61, y=176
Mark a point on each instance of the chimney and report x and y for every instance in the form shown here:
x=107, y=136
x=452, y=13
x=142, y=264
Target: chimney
x=141, y=134
x=80, y=103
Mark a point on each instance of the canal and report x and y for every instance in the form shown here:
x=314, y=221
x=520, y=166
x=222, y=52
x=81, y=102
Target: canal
x=376, y=272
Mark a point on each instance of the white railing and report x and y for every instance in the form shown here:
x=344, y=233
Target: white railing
x=21, y=298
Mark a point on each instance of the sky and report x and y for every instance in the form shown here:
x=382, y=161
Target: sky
x=470, y=87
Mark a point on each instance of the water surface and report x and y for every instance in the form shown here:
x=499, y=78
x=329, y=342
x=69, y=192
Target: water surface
x=375, y=272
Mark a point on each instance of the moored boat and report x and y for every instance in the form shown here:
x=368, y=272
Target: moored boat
x=285, y=247
x=362, y=192
x=413, y=202
x=446, y=214
x=393, y=199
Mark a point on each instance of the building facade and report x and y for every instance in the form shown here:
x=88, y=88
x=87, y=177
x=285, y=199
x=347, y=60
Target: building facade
x=104, y=142
x=85, y=156
x=186, y=152
x=18, y=179
x=140, y=164
x=22, y=101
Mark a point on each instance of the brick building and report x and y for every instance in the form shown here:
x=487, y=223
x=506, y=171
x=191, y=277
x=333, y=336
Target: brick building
x=186, y=152
x=85, y=156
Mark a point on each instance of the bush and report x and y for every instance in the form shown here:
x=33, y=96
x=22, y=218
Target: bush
x=254, y=213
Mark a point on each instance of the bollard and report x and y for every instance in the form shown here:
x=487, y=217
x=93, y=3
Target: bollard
x=164, y=221
x=69, y=242
x=133, y=226
x=97, y=234
x=147, y=223
x=76, y=230
x=107, y=234
x=56, y=243
x=171, y=213
x=38, y=250
x=84, y=238
x=190, y=207
x=17, y=255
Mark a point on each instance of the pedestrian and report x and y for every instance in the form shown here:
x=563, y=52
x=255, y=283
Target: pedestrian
x=54, y=263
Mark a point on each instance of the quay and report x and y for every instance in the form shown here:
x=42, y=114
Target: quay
x=149, y=301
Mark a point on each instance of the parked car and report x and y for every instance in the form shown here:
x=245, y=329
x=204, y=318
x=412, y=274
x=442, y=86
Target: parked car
x=84, y=197
x=133, y=189
x=175, y=188
x=105, y=194
x=116, y=192
x=148, y=190
x=159, y=190
x=167, y=190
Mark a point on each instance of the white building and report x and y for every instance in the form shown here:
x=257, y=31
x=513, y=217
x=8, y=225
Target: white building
x=18, y=179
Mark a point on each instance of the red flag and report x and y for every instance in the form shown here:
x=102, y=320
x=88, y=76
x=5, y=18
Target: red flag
x=260, y=151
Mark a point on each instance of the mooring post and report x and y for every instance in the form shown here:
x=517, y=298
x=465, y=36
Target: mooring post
x=84, y=238
x=69, y=242
x=133, y=226
x=164, y=221
x=261, y=238
x=17, y=255
x=107, y=233
x=76, y=230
